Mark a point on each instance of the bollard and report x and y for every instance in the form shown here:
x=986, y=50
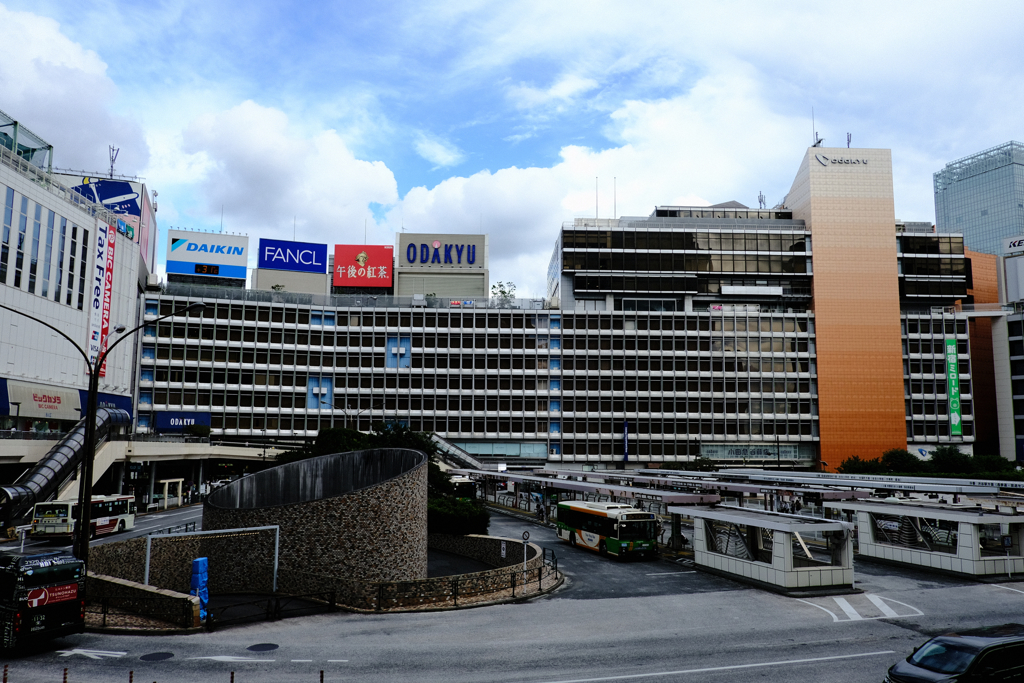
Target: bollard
x=131, y=677
x=321, y=676
x=65, y=676
x=5, y=673
x=232, y=677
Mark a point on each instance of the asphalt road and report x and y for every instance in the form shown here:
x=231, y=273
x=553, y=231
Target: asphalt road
x=613, y=621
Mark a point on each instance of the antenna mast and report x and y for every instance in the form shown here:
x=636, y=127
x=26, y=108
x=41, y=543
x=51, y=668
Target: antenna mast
x=113, y=157
x=762, y=202
x=849, y=138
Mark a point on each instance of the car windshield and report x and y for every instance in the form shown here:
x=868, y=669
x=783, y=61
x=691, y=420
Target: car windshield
x=943, y=657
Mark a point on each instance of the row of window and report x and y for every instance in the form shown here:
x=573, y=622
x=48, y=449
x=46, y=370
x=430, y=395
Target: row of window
x=51, y=245
x=684, y=240
x=683, y=263
x=930, y=244
x=933, y=266
x=933, y=289
x=932, y=346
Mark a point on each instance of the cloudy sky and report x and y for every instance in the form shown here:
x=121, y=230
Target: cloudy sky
x=461, y=116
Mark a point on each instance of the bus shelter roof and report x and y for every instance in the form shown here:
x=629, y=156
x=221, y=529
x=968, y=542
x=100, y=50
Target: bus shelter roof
x=659, y=495
x=877, y=482
x=708, y=480
x=775, y=521
x=973, y=514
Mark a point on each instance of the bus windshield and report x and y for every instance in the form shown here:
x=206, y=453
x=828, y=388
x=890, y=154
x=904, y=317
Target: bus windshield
x=636, y=531
x=52, y=576
x=52, y=510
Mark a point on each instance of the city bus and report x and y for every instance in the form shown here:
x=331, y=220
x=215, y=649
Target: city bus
x=609, y=528
x=56, y=519
x=42, y=595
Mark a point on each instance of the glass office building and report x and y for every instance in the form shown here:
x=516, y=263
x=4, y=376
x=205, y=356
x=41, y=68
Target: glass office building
x=982, y=196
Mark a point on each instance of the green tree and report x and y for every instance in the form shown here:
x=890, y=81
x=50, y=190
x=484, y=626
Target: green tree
x=902, y=461
x=949, y=460
x=503, y=293
x=992, y=464
x=855, y=465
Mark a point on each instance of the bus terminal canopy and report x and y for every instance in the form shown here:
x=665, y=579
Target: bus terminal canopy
x=596, y=487
x=705, y=481
x=776, y=521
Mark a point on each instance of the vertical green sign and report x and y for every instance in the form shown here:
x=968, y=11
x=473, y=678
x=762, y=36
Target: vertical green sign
x=953, y=388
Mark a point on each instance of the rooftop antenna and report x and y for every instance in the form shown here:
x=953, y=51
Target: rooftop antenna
x=849, y=138
x=113, y=157
x=761, y=201
x=817, y=140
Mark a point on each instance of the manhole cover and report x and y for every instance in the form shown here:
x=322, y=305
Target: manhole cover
x=156, y=656
x=262, y=647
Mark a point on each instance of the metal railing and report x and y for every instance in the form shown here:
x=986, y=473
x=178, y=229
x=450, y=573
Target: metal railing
x=175, y=611
x=271, y=608
x=196, y=292
x=47, y=182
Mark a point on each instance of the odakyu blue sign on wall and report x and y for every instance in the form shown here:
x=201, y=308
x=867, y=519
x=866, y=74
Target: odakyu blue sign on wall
x=303, y=257
x=431, y=253
x=435, y=251
x=179, y=421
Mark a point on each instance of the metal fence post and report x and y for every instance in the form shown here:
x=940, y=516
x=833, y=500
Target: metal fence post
x=455, y=590
x=513, y=577
x=380, y=597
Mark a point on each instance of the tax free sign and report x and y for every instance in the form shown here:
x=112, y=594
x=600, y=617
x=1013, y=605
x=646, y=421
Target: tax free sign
x=303, y=257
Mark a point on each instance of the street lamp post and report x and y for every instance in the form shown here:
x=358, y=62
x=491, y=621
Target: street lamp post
x=358, y=413
x=84, y=522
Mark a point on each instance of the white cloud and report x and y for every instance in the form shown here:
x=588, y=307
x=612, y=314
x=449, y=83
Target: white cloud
x=560, y=94
x=438, y=152
x=61, y=92
x=672, y=151
x=267, y=175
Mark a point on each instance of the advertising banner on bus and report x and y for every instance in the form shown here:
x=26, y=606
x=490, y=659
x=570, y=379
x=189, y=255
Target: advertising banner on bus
x=363, y=265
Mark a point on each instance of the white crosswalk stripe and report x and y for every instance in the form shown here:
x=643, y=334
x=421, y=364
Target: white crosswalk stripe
x=863, y=607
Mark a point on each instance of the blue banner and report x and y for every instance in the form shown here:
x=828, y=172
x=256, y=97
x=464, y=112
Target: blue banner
x=108, y=401
x=303, y=257
x=178, y=421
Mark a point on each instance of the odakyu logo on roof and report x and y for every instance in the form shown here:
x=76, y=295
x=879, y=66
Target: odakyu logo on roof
x=208, y=248
x=442, y=254
x=825, y=160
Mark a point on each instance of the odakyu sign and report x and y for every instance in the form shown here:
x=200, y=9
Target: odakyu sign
x=303, y=257
x=209, y=254
x=443, y=251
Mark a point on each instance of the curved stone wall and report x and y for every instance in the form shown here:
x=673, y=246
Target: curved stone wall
x=359, y=515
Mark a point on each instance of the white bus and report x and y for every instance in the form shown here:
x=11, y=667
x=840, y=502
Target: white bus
x=56, y=519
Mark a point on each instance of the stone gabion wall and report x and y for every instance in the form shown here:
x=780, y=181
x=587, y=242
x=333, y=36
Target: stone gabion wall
x=240, y=562
x=374, y=534
x=487, y=549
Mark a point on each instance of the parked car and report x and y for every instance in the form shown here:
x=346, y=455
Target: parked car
x=993, y=653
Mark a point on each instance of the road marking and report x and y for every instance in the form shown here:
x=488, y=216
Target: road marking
x=1009, y=589
x=671, y=573
x=337, y=660
x=848, y=609
x=302, y=660
x=229, y=658
x=91, y=654
x=834, y=616
x=880, y=604
x=724, y=668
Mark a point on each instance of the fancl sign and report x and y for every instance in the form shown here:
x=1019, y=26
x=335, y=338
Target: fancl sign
x=302, y=257
x=443, y=251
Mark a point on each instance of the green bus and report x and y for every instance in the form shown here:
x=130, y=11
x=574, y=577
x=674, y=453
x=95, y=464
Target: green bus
x=609, y=528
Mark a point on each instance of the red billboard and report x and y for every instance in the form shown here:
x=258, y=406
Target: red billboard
x=363, y=265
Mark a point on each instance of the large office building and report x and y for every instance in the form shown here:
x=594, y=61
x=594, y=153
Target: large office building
x=810, y=332
x=802, y=334
x=982, y=196
x=75, y=264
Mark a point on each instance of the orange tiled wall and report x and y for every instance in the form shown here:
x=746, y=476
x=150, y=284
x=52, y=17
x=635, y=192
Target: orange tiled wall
x=983, y=383
x=856, y=304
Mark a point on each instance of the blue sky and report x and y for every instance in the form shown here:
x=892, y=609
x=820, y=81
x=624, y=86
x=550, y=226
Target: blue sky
x=452, y=116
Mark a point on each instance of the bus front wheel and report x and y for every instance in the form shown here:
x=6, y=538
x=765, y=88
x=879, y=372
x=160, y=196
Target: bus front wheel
x=602, y=548
x=120, y=526
x=572, y=538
